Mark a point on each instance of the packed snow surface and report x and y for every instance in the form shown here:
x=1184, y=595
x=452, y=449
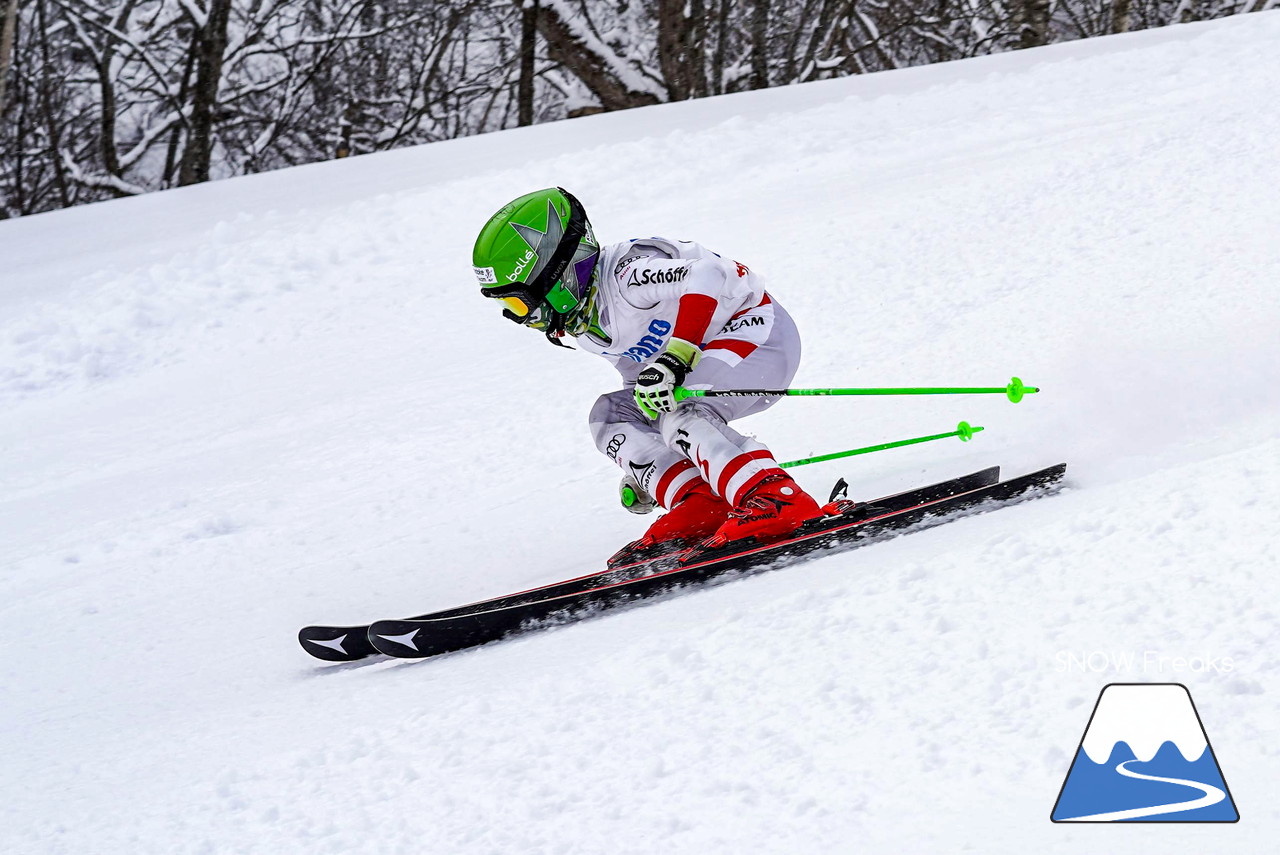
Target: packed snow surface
x=235, y=409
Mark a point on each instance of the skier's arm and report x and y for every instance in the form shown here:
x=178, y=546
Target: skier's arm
x=706, y=290
x=656, y=383
x=714, y=291
x=709, y=291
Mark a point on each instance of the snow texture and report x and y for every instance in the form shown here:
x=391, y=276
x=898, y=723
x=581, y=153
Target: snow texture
x=234, y=409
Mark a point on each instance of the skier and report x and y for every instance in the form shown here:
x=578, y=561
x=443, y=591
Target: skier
x=665, y=313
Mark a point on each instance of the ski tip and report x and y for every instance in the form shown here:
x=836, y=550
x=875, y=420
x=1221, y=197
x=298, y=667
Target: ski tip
x=402, y=639
x=335, y=643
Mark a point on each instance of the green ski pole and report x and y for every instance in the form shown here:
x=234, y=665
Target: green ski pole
x=964, y=430
x=1014, y=391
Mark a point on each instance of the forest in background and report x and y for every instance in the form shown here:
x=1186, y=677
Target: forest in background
x=108, y=98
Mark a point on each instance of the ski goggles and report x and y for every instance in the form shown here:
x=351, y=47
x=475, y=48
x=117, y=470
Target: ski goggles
x=524, y=306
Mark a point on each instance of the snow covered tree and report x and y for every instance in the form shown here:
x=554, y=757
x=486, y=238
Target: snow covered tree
x=102, y=98
x=8, y=22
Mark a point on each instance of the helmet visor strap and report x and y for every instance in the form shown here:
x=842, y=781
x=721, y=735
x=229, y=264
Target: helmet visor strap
x=548, y=280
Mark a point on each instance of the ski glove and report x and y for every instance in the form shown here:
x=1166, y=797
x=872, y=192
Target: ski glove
x=656, y=384
x=633, y=496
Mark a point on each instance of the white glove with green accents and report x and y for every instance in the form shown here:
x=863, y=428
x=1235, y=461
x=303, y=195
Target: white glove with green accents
x=657, y=382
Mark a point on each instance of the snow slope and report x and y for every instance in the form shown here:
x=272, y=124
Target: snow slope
x=231, y=410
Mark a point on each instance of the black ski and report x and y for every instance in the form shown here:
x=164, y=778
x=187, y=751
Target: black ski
x=349, y=643
x=422, y=637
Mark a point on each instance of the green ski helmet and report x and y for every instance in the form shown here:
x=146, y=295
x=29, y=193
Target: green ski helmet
x=538, y=256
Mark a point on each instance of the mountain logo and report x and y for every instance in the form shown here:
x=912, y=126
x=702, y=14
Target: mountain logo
x=1144, y=757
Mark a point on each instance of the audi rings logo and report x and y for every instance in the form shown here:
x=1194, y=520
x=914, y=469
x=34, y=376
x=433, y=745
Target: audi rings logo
x=615, y=445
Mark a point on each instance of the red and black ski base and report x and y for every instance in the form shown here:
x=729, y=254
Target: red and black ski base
x=350, y=643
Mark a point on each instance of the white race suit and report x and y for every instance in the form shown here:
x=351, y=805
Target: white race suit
x=651, y=290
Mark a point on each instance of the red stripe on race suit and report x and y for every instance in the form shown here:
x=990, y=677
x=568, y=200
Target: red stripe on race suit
x=731, y=468
x=753, y=482
x=664, y=483
x=734, y=345
x=694, y=317
x=763, y=302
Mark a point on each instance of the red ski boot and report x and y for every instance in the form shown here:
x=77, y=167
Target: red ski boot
x=772, y=510
x=695, y=516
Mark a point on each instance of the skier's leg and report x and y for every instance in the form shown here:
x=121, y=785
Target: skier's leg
x=760, y=356
x=768, y=503
x=628, y=438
